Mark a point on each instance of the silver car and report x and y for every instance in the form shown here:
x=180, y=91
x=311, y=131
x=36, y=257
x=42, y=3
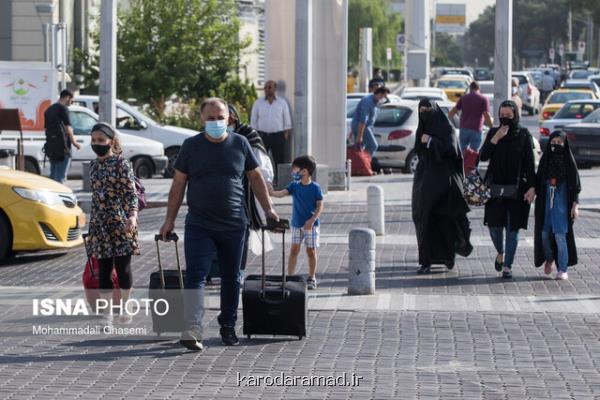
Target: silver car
x=572, y=112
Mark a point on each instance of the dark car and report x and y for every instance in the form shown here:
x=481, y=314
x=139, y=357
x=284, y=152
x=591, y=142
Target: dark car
x=483, y=74
x=584, y=139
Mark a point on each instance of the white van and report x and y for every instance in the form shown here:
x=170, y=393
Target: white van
x=146, y=156
x=134, y=122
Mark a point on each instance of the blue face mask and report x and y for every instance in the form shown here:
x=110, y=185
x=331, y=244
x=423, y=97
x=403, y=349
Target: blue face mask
x=296, y=176
x=216, y=129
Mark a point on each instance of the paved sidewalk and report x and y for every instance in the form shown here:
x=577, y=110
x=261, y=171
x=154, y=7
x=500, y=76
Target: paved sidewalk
x=464, y=334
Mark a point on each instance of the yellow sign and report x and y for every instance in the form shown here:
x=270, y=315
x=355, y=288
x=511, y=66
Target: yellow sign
x=450, y=19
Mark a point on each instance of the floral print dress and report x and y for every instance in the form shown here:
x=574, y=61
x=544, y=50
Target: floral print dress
x=114, y=199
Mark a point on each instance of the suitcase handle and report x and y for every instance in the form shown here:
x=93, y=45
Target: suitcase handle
x=170, y=237
x=274, y=226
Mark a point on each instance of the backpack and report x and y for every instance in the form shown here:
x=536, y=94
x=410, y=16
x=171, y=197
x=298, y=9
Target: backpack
x=55, y=147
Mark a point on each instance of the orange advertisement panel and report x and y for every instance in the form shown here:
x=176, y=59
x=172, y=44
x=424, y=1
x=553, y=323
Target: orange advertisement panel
x=450, y=19
x=29, y=87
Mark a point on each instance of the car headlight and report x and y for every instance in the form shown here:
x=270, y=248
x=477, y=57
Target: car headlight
x=42, y=196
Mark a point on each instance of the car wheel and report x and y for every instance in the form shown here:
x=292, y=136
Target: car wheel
x=5, y=238
x=31, y=166
x=143, y=168
x=412, y=160
x=172, y=156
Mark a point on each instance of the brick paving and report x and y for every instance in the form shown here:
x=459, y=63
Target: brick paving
x=401, y=354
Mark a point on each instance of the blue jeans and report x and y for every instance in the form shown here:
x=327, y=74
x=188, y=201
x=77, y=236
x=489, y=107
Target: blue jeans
x=369, y=142
x=512, y=239
x=58, y=169
x=561, y=249
x=200, y=247
x=470, y=138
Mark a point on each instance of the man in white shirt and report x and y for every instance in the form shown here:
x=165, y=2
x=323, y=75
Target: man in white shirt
x=271, y=118
x=547, y=85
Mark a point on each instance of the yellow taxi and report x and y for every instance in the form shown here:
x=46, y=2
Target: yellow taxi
x=559, y=97
x=37, y=213
x=455, y=86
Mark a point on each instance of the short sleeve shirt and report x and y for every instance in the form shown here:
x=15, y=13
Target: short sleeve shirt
x=366, y=112
x=472, y=107
x=215, y=172
x=305, y=199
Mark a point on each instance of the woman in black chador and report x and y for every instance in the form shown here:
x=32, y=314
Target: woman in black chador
x=439, y=209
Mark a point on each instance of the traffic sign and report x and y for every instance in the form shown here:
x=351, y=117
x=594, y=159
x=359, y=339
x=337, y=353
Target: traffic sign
x=581, y=47
x=400, y=42
x=388, y=53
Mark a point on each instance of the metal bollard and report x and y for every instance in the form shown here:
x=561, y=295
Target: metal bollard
x=362, y=261
x=348, y=173
x=85, y=177
x=376, y=209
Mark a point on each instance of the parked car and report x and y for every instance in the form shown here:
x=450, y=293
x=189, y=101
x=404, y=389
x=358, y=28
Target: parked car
x=581, y=84
x=572, y=112
x=580, y=74
x=37, y=213
x=595, y=79
x=536, y=74
x=559, y=97
x=529, y=93
x=482, y=74
x=458, y=71
x=455, y=86
x=421, y=93
x=584, y=139
x=146, y=156
x=134, y=122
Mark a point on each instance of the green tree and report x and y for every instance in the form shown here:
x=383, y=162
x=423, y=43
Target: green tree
x=448, y=52
x=386, y=25
x=190, y=48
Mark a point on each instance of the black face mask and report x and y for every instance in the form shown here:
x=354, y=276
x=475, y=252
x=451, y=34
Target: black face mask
x=506, y=121
x=557, y=148
x=101, y=149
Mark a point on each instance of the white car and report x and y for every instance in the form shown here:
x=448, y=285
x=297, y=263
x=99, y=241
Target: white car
x=134, y=122
x=422, y=92
x=146, y=156
x=528, y=92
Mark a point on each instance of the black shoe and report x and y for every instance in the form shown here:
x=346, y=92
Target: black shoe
x=228, y=336
x=425, y=269
x=507, y=273
x=498, y=265
x=450, y=265
x=192, y=344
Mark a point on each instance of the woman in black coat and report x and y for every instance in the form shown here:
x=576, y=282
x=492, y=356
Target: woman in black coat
x=557, y=189
x=509, y=149
x=439, y=209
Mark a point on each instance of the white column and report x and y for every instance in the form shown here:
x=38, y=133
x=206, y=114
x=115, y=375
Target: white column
x=303, y=79
x=108, y=60
x=365, y=72
x=503, y=52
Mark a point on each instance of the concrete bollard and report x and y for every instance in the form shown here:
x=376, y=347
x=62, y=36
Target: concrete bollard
x=362, y=261
x=85, y=177
x=376, y=209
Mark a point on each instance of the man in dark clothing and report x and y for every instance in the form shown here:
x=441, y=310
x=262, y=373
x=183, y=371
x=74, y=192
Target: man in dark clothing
x=56, y=118
x=439, y=209
x=475, y=110
x=213, y=165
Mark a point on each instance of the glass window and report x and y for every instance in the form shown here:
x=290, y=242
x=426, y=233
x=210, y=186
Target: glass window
x=392, y=116
x=564, y=97
x=351, y=106
x=593, y=117
x=126, y=120
x=82, y=122
x=451, y=84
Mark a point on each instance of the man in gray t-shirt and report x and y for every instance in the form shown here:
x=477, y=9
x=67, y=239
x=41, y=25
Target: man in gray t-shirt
x=212, y=165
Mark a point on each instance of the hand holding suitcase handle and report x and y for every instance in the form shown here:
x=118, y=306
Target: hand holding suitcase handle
x=171, y=236
x=277, y=226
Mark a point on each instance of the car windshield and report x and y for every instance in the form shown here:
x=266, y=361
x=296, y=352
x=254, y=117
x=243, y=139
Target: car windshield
x=522, y=79
x=452, y=84
x=593, y=118
x=81, y=122
x=577, y=85
x=563, y=97
x=576, y=110
x=580, y=74
x=351, y=104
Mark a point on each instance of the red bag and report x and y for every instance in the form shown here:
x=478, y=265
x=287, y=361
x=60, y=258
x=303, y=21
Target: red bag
x=470, y=160
x=91, y=281
x=361, y=161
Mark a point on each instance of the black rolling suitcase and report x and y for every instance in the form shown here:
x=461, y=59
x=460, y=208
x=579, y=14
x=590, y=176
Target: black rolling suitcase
x=275, y=304
x=167, y=285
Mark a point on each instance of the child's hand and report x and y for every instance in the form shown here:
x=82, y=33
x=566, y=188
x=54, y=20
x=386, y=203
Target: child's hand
x=574, y=211
x=309, y=225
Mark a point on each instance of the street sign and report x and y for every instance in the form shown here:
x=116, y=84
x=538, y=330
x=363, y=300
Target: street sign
x=400, y=42
x=551, y=54
x=561, y=50
x=388, y=53
x=581, y=47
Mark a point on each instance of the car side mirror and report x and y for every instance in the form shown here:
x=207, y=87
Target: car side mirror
x=143, y=125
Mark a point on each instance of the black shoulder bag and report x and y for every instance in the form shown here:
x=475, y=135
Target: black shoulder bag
x=510, y=191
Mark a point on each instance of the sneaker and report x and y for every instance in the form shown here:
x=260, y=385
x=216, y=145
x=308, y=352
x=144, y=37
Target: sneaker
x=311, y=284
x=562, y=276
x=507, y=273
x=190, y=339
x=228, y=336
x=548, y=267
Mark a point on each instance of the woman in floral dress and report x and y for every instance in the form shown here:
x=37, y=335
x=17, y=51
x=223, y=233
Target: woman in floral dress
x=113, y=222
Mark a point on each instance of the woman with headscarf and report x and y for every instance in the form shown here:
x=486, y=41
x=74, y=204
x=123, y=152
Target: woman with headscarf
x=557, y=190
x=511, y=176
x=439, y=209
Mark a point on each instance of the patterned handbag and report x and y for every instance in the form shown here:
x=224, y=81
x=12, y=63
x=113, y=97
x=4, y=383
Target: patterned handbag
x=475, y=190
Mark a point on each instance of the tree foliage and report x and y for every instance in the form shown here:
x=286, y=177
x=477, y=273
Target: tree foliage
x=386, y=25
x=448, y=51
x=190, y=48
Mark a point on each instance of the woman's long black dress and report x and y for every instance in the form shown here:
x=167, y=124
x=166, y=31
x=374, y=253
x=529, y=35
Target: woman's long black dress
x=439, y=209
